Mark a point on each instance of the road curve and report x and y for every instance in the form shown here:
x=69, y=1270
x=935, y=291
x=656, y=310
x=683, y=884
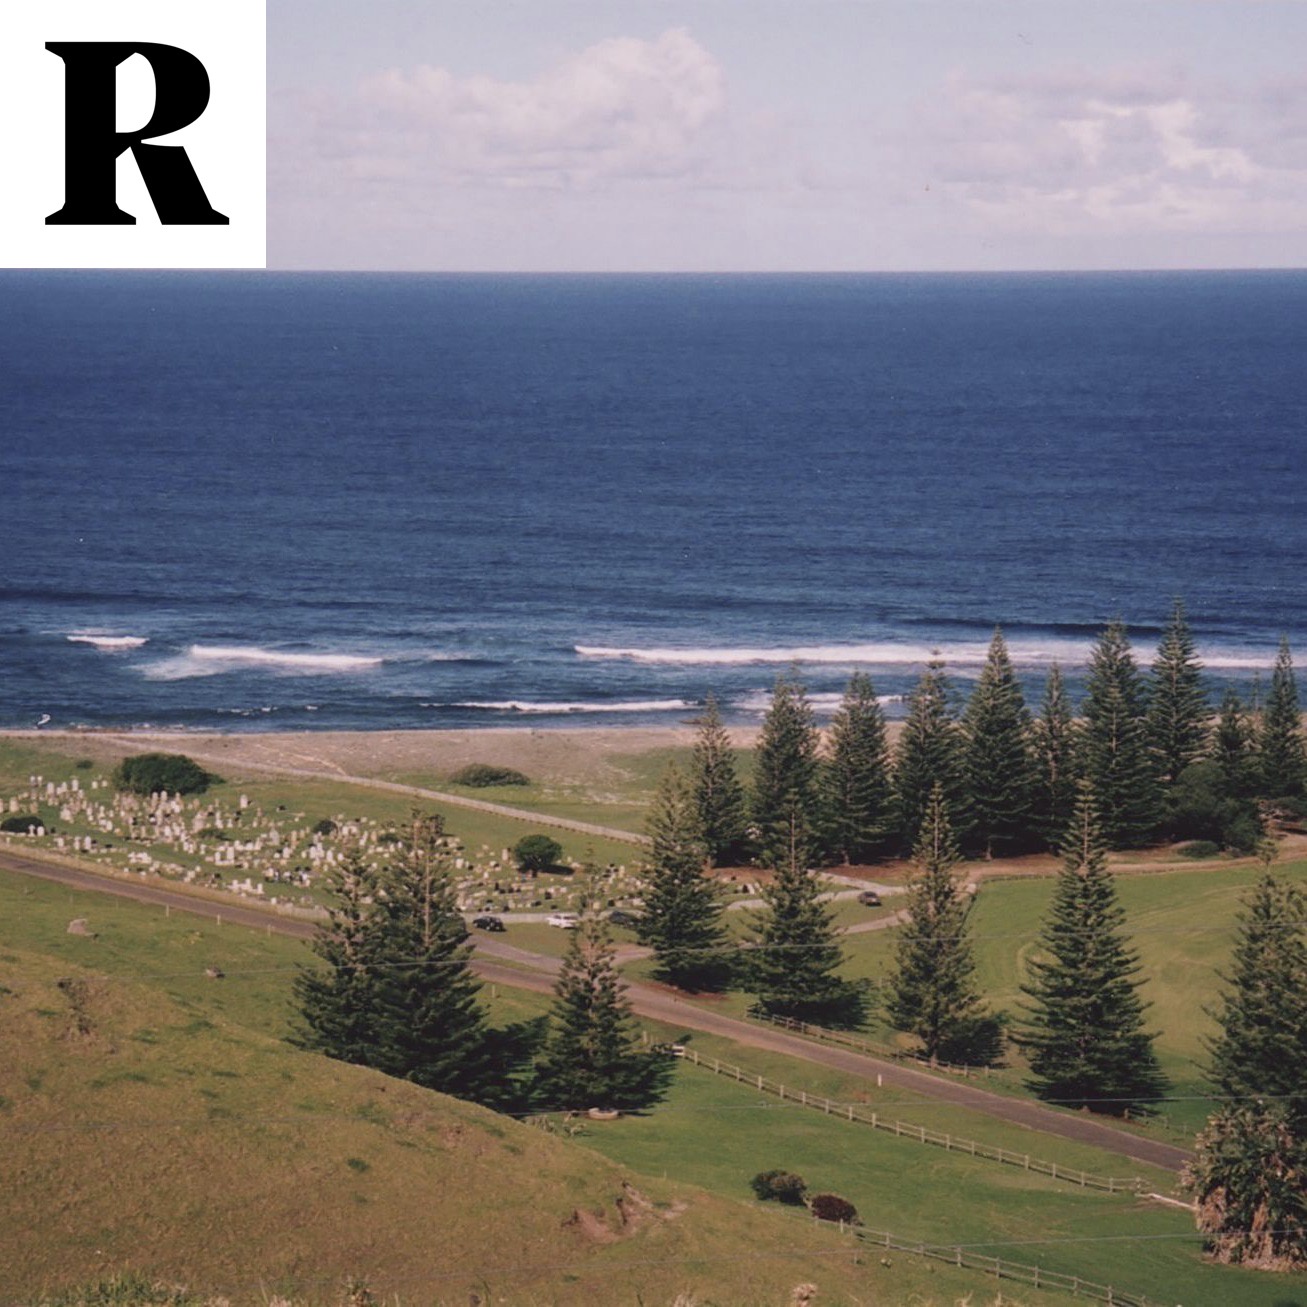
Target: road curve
x=493, y=963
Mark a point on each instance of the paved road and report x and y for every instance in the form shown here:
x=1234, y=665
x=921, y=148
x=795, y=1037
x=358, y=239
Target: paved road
x=536, y=972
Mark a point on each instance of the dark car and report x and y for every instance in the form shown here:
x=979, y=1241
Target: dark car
x=488, y=923
x=869, y=898
x=620, y=917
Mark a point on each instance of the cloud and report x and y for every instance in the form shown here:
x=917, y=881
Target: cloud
x=1120, y=152
x=622, y=109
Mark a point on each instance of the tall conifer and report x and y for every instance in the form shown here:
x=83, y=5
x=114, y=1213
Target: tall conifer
x=1178, y=712
x=1000, y=767
x=1249, y=1172
x=933, y=992
x=786, y=801
x=1233, y=747
x=593, y=1057
x=1057, y=761
x=794, y=964
x=1283, y=763
x=858, y=793
x=930, y=753
x=719, y=798
x=681, y=919
x=1085, y=1034
x=1117, y=760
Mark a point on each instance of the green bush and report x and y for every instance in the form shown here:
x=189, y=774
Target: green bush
x=84, y=764
x=783, y=1186
x=324, y=827
x=212, y=833
x=537, y=853
x=479, y=775
x=1197, y=849
x=20, y=823
x=831, y=1207
x=150, y=773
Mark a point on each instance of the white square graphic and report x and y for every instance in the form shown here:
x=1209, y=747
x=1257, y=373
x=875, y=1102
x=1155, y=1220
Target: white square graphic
x=226, y=145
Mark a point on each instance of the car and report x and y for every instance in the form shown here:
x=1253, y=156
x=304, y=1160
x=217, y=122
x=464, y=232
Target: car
x=620, y=917
x=869, y=898
x=565, y=920
x=488, y=923
x=670, y=1050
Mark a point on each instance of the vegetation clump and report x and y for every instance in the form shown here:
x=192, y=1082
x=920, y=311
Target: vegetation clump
x=482, y=775
x=154, y=773
x=782, y=1186
x=831, y=1207
x=19, y=823
x=537, y=853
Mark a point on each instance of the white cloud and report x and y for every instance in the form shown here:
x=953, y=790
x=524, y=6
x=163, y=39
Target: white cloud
x=623, y=108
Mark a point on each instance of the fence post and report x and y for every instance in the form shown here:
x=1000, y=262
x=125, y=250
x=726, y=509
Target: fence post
x=1027, y=1161
x=1054, y=1171
x=759, y=1082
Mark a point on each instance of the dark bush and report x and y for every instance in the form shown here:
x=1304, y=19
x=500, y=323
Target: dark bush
x=482, y=774
x=783, y=1186
x=84, y=764
x=212, y=833
x=831, y=1207
x=324, y=827
x=1197, y=849
x=536, y=853
x=20, y=823
x=149, y=773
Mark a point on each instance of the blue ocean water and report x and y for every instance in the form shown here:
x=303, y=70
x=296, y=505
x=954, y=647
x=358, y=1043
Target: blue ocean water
x=353, y=501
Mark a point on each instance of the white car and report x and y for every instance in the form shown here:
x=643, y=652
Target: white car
x=565, y=920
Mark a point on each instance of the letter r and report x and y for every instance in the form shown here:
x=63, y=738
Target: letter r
x=92, y=142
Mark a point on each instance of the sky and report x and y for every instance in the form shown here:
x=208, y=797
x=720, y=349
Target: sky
x=786, y=135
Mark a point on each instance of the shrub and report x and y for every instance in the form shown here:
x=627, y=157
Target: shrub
x=831, y=1207
x=482, y=774
x=537, y=853
x=783, y=1186
x=149, y=773
x=20, y=823
x=84, y=764
x=324, y=827
x=212, y=833
x=1199, y=849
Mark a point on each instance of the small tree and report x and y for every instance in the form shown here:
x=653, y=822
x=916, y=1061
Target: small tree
x=681, y=920
x=785, y=794
x=719, y=800
x=536, y=853
x=592, y=1057
x=1085, y=1034
x=153, y=773
x=857, y=789
x=1234, y=747
x=782, y=1186
x=933, y=992
x=930, y=753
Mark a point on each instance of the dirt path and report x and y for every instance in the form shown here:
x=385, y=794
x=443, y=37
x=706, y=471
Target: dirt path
x=493, y=962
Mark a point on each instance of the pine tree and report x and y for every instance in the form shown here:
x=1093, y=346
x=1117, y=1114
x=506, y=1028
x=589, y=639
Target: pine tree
x=858, y=794
x=592, y=1057
x=786, y=809
x=1085, y=1035
x=1283, y=763
x=1177, y=715
x=933, y=992
x=1234, y=748
x=1249, y=1172
x=338, y=1006
x=430, y=1027
x=718, y=795
x=792, y=969
x=1057, y=764
x=1115, y=752
x=929, y=754
x=681, y=920
x=1000, y=767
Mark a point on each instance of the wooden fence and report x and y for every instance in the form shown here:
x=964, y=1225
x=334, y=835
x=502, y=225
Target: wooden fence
x=919, y=1133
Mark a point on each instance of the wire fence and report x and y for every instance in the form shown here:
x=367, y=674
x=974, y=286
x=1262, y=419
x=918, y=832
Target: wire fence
x=920, y=1133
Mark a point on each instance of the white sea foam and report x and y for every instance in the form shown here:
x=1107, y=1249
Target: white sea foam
x=824, y=702
x=108, y=642
x=212, y=660
x=962, y=654
x=522, y=706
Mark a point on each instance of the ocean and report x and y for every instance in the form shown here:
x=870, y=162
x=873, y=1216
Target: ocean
x=307, y=501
